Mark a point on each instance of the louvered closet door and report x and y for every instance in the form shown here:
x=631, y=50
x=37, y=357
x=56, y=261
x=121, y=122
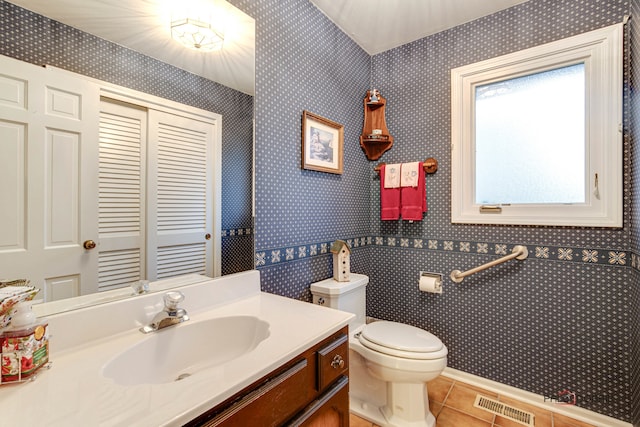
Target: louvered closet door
x=123, y=139
x=48, y=191
x=180, y=202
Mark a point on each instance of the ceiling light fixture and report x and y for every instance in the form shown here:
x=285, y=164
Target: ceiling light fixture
x=197, y=35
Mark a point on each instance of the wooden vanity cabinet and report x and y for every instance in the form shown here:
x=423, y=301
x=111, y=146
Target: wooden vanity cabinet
x=310, y=390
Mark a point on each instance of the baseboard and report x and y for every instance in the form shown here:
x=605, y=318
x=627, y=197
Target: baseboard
x=575, y=412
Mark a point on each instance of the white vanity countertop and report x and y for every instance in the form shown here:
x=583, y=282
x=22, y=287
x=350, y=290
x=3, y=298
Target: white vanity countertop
x=74, y=392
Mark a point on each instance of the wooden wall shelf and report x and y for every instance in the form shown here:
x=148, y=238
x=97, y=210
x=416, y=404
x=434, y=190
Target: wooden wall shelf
x=375, y=138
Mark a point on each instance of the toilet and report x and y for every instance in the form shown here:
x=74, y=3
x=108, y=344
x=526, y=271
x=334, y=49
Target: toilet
x=389, y=362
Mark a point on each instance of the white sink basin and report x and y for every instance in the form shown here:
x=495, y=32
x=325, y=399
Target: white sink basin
x=177, y=352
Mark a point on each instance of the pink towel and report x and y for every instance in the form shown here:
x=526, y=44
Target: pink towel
x=414, y=200
x=389, y=200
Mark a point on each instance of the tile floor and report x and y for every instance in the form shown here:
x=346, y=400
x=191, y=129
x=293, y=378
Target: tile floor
x=452, y=404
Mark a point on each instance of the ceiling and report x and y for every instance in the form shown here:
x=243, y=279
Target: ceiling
x=143, y=25
x=379, y=25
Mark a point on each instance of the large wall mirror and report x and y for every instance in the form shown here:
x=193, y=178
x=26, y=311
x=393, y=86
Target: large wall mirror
x=129, y=45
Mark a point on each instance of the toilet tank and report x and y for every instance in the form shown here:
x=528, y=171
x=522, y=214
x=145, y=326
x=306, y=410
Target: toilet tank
x=345, y=296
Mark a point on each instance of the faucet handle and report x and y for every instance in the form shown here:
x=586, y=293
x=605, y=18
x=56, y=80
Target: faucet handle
x=140, y=287
x=172, y=299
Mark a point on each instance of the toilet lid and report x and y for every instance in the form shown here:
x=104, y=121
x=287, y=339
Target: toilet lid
x=400, y=340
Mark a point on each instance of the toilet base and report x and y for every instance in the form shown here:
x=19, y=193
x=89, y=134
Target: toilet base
x=367, y=411
x=371, y=398
x=383, y=417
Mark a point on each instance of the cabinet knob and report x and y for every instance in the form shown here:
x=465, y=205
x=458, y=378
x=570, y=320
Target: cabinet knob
x=89, y=244
x=337, y=362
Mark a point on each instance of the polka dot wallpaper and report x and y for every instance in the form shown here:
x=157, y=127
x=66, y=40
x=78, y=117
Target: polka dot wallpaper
x=633, y=120
x=562, y=319
x=304, y=62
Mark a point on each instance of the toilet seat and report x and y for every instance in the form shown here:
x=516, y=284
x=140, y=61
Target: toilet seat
x=401, y=340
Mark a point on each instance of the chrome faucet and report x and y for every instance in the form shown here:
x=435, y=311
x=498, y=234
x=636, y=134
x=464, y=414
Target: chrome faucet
x=170, y=315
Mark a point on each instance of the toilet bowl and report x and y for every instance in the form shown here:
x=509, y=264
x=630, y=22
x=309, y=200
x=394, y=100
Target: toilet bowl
x=389, y=362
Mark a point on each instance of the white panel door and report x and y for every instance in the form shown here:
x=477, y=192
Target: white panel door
x=180, y=202
x=49, y=158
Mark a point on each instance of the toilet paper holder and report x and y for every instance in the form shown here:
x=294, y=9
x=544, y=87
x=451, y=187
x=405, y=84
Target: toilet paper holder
x=437, y=284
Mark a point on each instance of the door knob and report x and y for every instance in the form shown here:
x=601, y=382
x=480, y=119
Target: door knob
x=89, y=244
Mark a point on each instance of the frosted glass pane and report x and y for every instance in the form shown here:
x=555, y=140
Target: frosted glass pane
x=530, y=138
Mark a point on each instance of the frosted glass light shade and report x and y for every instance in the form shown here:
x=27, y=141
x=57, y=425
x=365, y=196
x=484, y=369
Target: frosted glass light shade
x=197, y=35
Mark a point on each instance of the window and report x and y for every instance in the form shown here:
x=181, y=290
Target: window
x=536, y=135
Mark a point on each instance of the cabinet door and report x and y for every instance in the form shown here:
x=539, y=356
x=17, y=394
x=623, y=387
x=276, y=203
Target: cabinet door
x=331, y=409
x=180, y=209
x=333, y=361
x=269, y=405
x=48, y=159
x=122, y=183
x=156, y=203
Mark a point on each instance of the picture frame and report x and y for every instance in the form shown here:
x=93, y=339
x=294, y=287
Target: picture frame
x=322, y=144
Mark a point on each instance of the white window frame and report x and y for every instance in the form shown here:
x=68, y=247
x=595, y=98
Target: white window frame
x=601, y=51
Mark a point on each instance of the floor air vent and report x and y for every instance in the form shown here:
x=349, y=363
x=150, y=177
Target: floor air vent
x=514, y=414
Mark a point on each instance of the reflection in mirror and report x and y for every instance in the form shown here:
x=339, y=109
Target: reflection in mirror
x=31, y=37
x=61, y=306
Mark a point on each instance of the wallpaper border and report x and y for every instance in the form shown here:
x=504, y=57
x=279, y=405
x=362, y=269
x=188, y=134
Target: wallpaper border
x=244, y=231
x=611, y=257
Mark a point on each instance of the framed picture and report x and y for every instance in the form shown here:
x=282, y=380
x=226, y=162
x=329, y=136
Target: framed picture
x=322, y=144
